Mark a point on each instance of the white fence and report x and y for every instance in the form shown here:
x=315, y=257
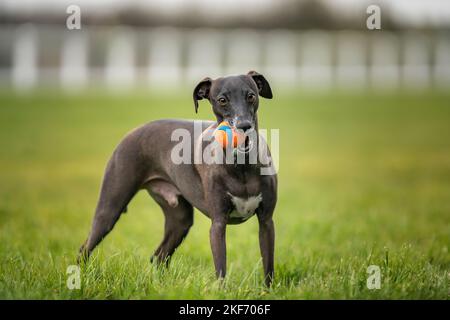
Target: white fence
x=123, y=57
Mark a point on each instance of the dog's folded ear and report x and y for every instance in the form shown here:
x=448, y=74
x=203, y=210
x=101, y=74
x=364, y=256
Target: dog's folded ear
x=263, y=85
x=201, y=91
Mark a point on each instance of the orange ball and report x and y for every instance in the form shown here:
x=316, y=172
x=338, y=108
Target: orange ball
x=226, y=136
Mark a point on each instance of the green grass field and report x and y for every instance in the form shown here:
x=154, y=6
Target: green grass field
x=363, y=180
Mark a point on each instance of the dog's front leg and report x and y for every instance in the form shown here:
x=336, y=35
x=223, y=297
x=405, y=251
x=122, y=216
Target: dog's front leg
x=218, y=246
x=266, y=243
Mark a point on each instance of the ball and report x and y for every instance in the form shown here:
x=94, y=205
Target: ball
x=226, y=136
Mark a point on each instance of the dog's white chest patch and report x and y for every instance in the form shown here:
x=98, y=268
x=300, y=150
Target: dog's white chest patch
x=244, y=208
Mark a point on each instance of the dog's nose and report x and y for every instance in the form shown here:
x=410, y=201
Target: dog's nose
x=244, y=125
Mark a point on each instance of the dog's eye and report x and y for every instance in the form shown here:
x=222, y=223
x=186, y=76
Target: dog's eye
x=222, y=101
x=251, y=97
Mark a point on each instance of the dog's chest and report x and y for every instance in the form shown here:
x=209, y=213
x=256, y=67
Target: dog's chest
x=244, y=208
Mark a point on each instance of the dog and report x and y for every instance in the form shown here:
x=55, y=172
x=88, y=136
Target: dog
x=226, y=193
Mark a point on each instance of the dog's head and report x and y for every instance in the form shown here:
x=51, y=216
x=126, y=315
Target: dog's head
x=235, y=98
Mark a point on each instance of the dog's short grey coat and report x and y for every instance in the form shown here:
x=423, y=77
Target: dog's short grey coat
x=142, y=160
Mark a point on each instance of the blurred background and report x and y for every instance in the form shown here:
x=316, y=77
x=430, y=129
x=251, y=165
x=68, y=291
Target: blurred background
x=363, y=117
x=307, y=44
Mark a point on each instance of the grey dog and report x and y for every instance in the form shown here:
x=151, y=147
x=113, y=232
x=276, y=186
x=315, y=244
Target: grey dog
x=226, y=193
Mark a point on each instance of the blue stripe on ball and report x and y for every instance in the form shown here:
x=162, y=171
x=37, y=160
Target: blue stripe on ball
x=229, y=132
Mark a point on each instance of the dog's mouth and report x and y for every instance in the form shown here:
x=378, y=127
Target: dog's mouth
x=247, y=146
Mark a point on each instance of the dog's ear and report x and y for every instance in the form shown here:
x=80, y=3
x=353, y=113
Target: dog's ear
x=201, y=91
x=263, y=85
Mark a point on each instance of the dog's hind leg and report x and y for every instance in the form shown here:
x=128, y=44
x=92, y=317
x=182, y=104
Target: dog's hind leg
x=179, y=217
x=120, y=184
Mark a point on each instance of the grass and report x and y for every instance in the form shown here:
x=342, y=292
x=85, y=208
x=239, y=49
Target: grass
x=364, y=180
